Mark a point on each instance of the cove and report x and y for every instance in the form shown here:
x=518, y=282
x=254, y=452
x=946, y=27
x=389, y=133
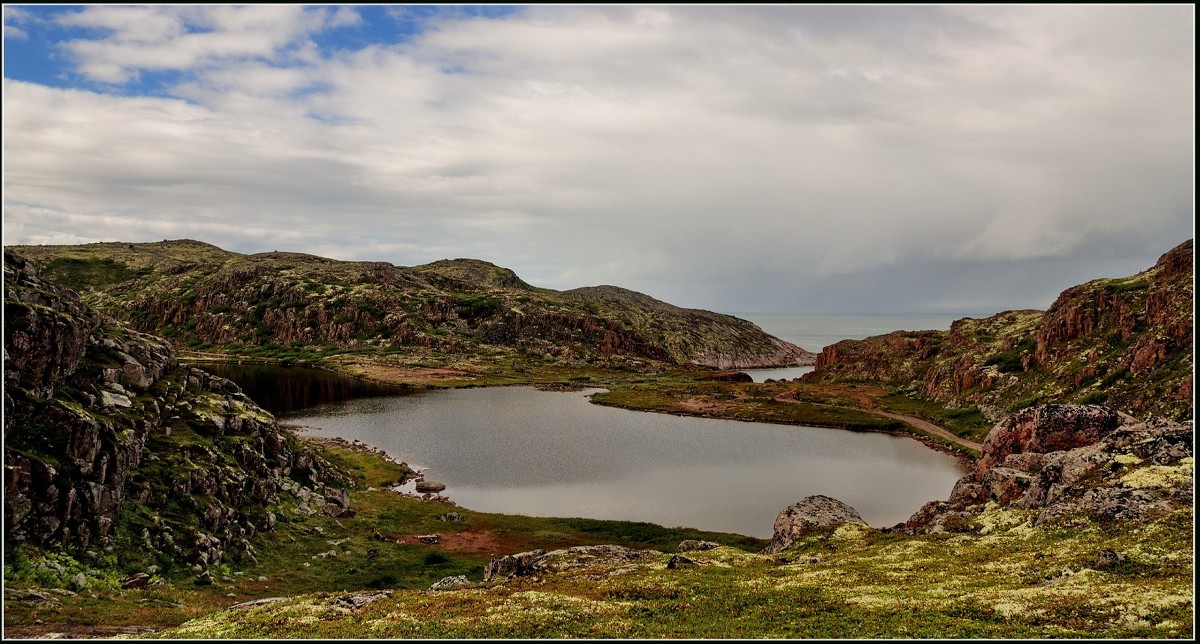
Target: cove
x=520, y=450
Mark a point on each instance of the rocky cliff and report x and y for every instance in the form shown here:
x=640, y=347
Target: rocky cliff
x=1125, y=342
x=111, y=444
x=200, y=296
x=1068, y=460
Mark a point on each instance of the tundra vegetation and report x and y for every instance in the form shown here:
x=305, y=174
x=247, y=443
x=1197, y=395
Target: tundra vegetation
x=997, y=571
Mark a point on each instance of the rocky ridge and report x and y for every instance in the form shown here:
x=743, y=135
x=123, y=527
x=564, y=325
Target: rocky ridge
x=200, y=296
x=1124, y=342
x=112, y=446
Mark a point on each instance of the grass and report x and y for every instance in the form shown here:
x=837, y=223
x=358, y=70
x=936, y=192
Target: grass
x=1016, y=581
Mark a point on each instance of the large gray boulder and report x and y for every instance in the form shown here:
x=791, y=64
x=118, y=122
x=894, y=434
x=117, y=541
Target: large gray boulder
x=810, y=513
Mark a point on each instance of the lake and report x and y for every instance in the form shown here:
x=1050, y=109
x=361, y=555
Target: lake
x=524, y=451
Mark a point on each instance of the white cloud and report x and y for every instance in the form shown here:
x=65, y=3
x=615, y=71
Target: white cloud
x=174, y=37
x=674, y=150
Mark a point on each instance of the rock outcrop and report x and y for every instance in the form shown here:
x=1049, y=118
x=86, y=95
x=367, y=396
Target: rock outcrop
x=1127, y=343
x=196, y=294
x=576, y=559
x=809, y=513
x=104, y=428
x=1060, y=460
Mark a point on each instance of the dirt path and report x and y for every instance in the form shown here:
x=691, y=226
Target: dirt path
x=927, y=426
x=869, y=406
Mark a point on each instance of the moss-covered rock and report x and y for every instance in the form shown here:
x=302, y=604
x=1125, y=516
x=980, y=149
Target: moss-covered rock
x=112, y=446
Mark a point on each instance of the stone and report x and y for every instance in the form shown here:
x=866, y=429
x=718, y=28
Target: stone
x=1046, y=428
x=424, y=487
x=337, y=503
x=1096, y=474
x=809, y=513
x=429, y=538
x=508, y=566
x=679, y=561
x=1108, y=559
x=203, y=579
x=693, y=545
x=449, y=582
x=78, y=582
x=135, y=581
x=356, y=601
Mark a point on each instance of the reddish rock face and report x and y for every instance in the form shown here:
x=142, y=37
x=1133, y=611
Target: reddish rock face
x=1127, y=342
x=1043, y=429
x=1065, y=460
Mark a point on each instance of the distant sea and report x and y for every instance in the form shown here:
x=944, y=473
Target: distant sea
x=815, y=331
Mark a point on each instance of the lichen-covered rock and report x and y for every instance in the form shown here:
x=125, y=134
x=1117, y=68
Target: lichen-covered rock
x=517, y=565
x=1044, y=429
x=575, y=559
x=695, y=545
x=809, y=513
x=1060, y=460
x=449, y=582
x=99, y=419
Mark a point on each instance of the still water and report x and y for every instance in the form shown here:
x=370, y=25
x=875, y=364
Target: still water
x=525, y=451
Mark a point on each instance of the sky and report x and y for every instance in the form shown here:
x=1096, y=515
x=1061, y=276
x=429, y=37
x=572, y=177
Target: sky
x=887, y=158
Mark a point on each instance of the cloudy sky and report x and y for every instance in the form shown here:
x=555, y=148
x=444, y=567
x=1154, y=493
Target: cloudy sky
x=774, y=158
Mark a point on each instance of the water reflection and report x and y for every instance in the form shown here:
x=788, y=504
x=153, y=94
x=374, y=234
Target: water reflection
x=283, y=390
x=516, y=449
x=520, y=450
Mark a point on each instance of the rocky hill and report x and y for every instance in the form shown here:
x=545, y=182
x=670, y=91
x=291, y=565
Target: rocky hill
x=114, y=449
x=1125, y=342
x=200, y=296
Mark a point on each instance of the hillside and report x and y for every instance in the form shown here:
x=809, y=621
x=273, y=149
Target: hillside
x=1125, y=342
x=202, y=297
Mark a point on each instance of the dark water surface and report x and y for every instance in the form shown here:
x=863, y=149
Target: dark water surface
x=520, y=450
x=283, y=390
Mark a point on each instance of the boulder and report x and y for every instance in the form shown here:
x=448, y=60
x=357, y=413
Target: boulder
x=1044, y=429
x=507, y=566
x=585, y=558
x=679, y=561
x=810, y=513
x=424, y=487
x=137, y=580
x=449, y=582
x=337, y=503
x=1063, y=460
x=693, y=545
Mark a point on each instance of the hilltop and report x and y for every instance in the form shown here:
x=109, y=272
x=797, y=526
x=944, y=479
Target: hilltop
x=292, y=305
